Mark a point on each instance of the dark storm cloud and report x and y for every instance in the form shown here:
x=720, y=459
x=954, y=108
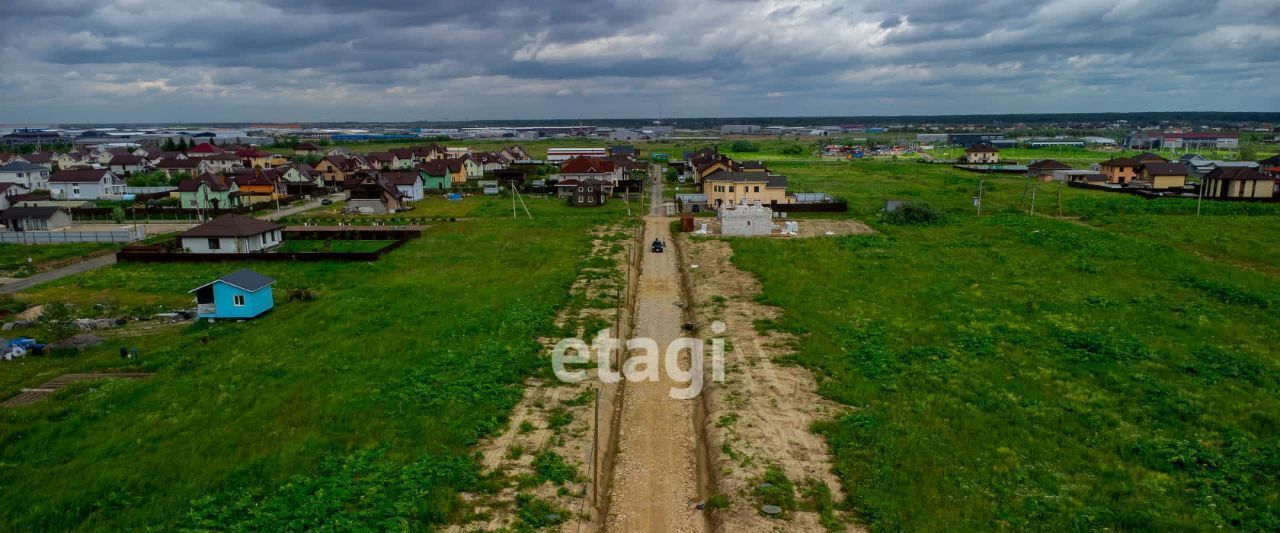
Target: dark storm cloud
x=147, y=60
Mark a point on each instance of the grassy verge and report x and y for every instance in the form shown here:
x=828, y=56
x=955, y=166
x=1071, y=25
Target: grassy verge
x=1019, y=372
x=14, y=257
x=354, y=410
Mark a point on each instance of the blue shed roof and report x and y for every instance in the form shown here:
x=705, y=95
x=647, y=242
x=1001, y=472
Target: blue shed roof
x=243, y=279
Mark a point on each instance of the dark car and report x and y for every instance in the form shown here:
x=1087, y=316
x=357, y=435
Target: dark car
x=326, y=201
x=658, y=246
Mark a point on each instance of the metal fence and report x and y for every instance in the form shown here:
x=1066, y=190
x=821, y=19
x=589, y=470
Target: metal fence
x=148, y=190
x=54, y=237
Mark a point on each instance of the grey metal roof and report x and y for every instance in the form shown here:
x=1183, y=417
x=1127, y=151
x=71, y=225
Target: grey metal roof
x=244, y=279
x=20, y=166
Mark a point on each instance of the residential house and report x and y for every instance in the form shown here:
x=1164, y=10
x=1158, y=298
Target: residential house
x=253, y=158
x=1148, y=157
x=471, y=168
x=457, y=171
x=409, y=182
x=1045, y=169
x=29, y=175
x=338, y=151
x=105, y=155
x=258, y=185
x=236, y=296
x=35, y=218
x=1119, y=170
x=203, y=150
x=435, y=175
x=730, y=188
x=219, y=163
x=588, y=192
x=87, y=184
x=582, y=168
x=176, y=167
x=1238, y=182
x=306, y=149
x=44, y=159
x=336, y=168
x=1161, y=175
x=370, y=193
x=8, y=191
x=382, y=160
x=209, y=191
x=982, y=154
x=300, y=174
x=127, y=164
x=231, y=233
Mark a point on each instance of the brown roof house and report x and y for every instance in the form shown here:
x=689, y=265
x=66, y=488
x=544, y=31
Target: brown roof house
x=1162, y=175
x=372, y=194
x=589, y=192
x=1238, y=182
x=983, y=154
x=230, y=233
x=36, y=218
x=1120, y=170
x=1044, y=169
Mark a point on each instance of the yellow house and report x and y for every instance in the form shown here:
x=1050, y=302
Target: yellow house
x=1238, y=182
x=729, y=188
x=1162, y=175
x=1119, y=170
x=982, y=153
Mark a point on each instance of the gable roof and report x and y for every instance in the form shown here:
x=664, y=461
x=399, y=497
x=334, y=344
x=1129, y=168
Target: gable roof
x=128, y=160
x=232, y=225
x=980, y=149
x=38, y=157
x=1237, y=174
x=1048, y=164
x=204, y=148
x=183, y=164
x=79, y=176
x=243, y=279
x=193, y=184
x=1165, y=169
x=1119, y=162
x=1148, y=156
x=772, y=181
x=31, y=212
x=21, y=166
x=586, y=165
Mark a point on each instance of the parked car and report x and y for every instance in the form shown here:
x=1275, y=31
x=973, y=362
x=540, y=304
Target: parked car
x=658, y=246
x=326, y=201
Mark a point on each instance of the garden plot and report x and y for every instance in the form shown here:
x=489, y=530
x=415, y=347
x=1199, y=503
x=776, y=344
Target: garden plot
x=758, y=422
x=543, y=462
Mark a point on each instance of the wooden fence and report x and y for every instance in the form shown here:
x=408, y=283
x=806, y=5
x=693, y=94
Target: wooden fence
x=169, y=251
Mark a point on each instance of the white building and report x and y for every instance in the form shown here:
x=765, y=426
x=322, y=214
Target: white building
x=229, y=234
x=745, y=220
x=89, y=184
x=29, y=175
x=739, y=129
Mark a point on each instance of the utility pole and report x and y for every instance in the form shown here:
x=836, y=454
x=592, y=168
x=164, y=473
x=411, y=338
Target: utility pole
x=980, y=183
x=1033, y=198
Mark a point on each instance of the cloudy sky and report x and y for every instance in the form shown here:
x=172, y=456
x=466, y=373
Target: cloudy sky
x=320, y=60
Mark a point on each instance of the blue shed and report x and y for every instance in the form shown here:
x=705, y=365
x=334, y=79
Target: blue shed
x=240, y=294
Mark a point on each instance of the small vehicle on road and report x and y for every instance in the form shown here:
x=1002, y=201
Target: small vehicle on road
x=326, y=201
x=658, y=246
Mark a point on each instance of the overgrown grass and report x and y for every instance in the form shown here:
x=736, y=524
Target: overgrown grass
x=1024, y=373
x=338, y=246
x=356, y=410
x=14, y=257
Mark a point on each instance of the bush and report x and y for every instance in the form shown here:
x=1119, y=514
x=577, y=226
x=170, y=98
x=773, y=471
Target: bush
x=743, y=146
x=915, y=214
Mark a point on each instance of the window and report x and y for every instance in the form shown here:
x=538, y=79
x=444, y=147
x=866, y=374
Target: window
x=264, y=239
x=238, y=300
x=215, y=244
x=757, y=188
x=731, y=188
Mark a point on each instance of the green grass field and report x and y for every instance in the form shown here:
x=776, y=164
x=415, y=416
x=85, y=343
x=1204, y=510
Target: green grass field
x=14, y=257
x=340, y=246
x=1016, y=372
x=356, y=410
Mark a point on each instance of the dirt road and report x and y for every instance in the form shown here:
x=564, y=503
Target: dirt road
x=59, y=273
x=655, y=479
